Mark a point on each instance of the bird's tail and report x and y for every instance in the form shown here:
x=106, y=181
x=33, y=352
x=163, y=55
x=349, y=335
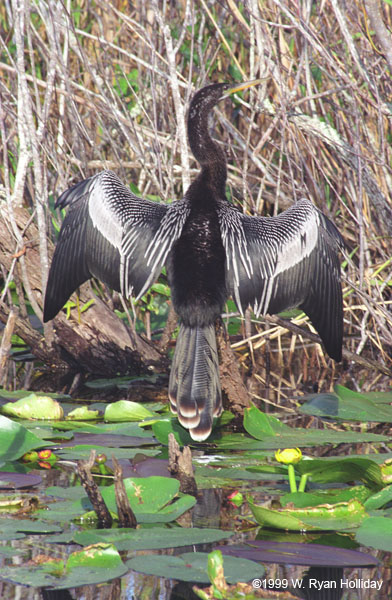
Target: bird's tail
x=194, y=386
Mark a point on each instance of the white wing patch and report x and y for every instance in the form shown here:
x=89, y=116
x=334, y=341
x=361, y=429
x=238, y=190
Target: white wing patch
x=259, y=249
x=103, y=219
x=299, y=245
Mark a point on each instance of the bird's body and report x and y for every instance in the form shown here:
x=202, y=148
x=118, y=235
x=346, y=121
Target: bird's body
x=211, y=251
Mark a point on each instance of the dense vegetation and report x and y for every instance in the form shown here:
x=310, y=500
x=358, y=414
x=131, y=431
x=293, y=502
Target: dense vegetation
x=92, y=85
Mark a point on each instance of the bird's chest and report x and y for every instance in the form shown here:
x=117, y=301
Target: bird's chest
x=200, y=244
x=196, y=270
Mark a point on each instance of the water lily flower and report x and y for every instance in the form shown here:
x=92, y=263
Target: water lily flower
x=31, y=456
x=236, y=498
x=289, y=456
x=44, y=454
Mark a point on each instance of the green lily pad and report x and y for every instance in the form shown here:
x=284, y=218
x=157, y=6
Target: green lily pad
x=95, y=564
x=150, y=539
x=162, y=428
x=343, y=515
x=192, y=566
x=117, y=382
x=98, y=555
x=34, y=407
x=152, y=499
x=274, y=435
x=348, y=405
x=329, y=496
x=125, y=410
x=11, y=526
x=82, y=451
x=334, y=470
x=23, y=393
x=379, y=499
x=376, y=532
x=82, y=413
x=16, y=440
x=130, y=430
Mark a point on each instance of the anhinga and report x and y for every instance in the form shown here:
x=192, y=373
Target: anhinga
x=211, y=250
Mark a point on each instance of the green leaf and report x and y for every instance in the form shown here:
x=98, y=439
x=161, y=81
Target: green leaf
x=341, y=470
x=162, y=428
x=27, y=526
x=34, y=407
x=379, y=499
x=328, y=496
x=82, y=413
x=376, y=532
x=348, y=405
x=150, y=539
x=125, y=410
x=23, y=393
x=343, y=515
x=274, y=435
x=82, y=451
x=192, y=566
x=152, y=499
x=260, y=425
x=96, y=564
x=98, y=555
x=16, y=440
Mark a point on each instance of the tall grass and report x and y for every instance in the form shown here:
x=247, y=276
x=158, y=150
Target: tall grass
x=91, y=85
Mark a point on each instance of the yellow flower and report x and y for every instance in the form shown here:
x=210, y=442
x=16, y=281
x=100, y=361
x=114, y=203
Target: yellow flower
x=288, y=456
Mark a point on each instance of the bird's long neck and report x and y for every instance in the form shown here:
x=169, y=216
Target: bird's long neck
x=207, y=152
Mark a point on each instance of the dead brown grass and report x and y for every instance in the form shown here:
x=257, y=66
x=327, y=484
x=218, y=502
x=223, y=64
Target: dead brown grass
x=320, y=127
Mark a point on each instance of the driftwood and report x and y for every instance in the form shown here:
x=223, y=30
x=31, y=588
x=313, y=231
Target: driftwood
x=126, y=516
x=6, y=343
x=180, y=466
x=105, y=519
x=231, y=380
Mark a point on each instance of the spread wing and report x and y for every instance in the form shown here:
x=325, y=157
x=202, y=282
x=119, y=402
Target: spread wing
x=287, y=261
x=111, y=234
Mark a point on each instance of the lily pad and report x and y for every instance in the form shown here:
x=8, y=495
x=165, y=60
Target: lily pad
x=348, y=405
x=34, y=407
x=342, y=470
x=327, y=496
x=95, y=564
x=125, y=410
x=326, y=517
x=8, y=525
x=300, y=554
x=11, y=481
x=376, y=532
x=79, y=452
x=274, y=435
x=379, y=499
x=82, y=413
x=152, y=499
x=16, y=440
x=16, y=395
x=192, y=566
x=150, y=539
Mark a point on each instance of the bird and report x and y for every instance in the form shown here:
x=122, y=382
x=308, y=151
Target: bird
x=211, y=251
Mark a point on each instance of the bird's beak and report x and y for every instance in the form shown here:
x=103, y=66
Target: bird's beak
x=243, y=86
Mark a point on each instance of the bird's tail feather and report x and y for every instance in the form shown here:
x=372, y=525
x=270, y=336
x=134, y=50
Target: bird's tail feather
x=194, y=386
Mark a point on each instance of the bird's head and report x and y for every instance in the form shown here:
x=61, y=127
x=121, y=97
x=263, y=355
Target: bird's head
x=207, y=97
x=207, y=152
